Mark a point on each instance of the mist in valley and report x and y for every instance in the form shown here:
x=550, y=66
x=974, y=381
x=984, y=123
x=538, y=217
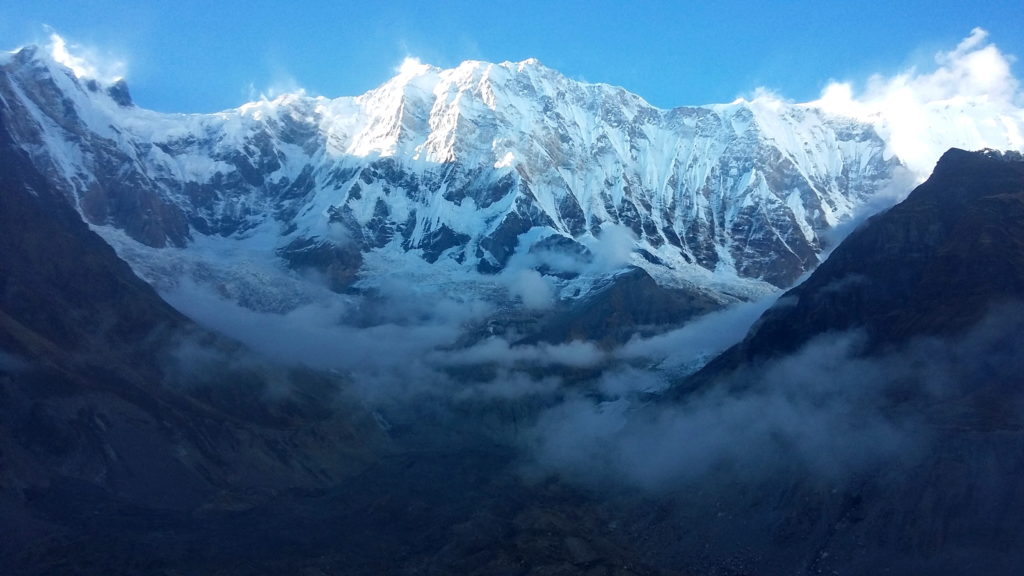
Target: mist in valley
x=594, y=416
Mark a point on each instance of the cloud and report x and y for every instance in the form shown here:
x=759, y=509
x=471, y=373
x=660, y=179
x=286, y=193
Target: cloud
x=767, y=98
x=396, y=344
x=895, y=191
x=970, y=100
x=613, y=248
x=282, y=84
x=382, y=348
x=825, y=412
x=817, y=412
x=84, y=62
x=530, y=287
x=610, y=250
x=411, y=66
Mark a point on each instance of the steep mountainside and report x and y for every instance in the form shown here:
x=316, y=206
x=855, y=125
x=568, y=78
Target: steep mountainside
x=870, y=421
x=912, y=325
x=132, y=441
x=933, y=265
x=104, y=407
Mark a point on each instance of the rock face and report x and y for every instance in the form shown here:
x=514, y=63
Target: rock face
x=62, y=280
x=471, y=165
x=630, y=304
x=131, y=440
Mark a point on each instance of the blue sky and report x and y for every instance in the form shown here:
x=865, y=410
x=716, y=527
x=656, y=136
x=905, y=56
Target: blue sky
x=188, y=56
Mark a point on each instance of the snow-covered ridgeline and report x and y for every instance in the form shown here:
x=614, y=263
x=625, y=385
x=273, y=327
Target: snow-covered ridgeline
x=459, y=165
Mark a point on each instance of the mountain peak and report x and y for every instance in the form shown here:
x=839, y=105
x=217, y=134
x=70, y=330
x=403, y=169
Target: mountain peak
x=528, y=64
x=955, y=156
x=35, y=62
x=31, y=56
x=412, y=67
x=955, y=163
x=74, y=60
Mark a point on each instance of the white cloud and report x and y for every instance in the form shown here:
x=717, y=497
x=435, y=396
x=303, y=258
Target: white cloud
x=530, y=287
x=613, y=247
x=970, y=100
x=411, y=66
x=687, y=348
x=282, y=83
x=277, y=88
x=84, y=62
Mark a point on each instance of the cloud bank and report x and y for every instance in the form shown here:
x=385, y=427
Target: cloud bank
x=826, y=411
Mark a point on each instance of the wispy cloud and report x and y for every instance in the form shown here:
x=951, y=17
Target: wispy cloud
x=826, y=410
x=281, y=83
x=411, y=66
x=970, y=99
x=84, y=62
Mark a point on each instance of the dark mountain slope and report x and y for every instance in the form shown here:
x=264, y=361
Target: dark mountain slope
x=933, y=265
x=913, y=326
x=132, y=442
x=61, y=286
x=103, y=416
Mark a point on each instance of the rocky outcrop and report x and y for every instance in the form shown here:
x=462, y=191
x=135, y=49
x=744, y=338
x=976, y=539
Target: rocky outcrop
x=631, y=304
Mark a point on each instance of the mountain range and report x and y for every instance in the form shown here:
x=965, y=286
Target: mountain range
x=398, y=333
x=479, y=166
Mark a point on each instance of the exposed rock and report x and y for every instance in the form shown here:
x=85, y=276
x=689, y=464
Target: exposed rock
x=631, y=304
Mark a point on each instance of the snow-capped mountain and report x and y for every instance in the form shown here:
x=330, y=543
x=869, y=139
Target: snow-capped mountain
x=476, y=169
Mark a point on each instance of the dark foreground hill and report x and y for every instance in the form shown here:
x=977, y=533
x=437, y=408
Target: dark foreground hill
x=906, y=346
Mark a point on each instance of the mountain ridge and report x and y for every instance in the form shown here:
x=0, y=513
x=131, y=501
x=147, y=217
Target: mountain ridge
x=461, y=163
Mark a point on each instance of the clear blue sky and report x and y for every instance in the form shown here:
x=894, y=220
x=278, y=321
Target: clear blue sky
x=190, y=56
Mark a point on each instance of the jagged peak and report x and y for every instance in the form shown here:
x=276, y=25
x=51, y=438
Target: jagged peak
x=530, y=62
x=412, y=67
x=954, y=157
x=33, y=56
x=21, y=53
x=56, y=60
